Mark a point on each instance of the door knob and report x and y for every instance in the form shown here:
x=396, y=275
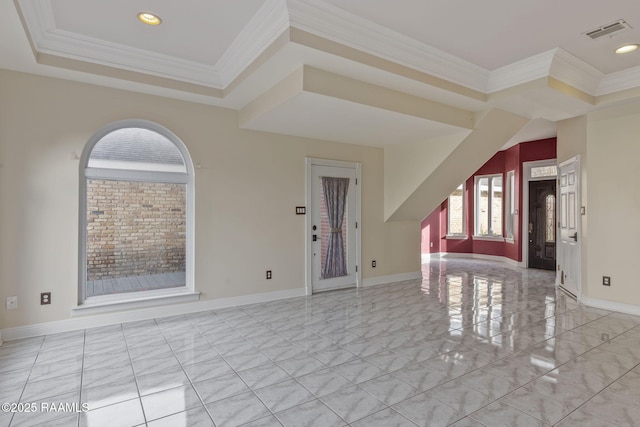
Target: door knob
x=574, y=236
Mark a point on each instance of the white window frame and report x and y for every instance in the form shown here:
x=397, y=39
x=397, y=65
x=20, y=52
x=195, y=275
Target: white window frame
x=490, y=235
x=510, y=204
x=462, y=235
x=106, y=303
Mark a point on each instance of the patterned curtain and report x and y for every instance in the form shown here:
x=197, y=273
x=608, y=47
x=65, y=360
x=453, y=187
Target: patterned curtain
x=335, y=196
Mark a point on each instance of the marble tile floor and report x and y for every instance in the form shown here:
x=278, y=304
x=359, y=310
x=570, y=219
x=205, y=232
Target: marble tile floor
x=475, y=343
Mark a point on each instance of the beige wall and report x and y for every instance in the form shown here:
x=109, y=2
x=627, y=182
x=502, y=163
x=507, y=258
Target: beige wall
x=408, y=165
x=607, y=142
x=572, y=138
x=247, y=187
x=613, y=144
x=430, y=179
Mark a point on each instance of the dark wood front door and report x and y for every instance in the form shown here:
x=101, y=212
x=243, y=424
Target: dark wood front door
x=542, y=224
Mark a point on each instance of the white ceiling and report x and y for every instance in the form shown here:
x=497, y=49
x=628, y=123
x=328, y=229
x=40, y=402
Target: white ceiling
x=308, y=113
x=459, y=54
x=495, y=33
x=193, y=30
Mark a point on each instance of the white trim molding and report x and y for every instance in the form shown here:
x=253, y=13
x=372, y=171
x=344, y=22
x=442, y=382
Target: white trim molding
x=320, y=18
x=575, y=72
x=328, y=21
x=520, y=72
x=392, y=278
x=264, y=28
x=489, y=238
x=557, y=63
x=619, y=81
x=75, y=324
x=611, y=305
x=135, y=302
x=269, y=22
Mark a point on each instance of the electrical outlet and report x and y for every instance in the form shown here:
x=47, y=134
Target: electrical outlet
x=12, y=303
x=373, y=264
x=45, y=298
x=606, y=281
x=268, y=274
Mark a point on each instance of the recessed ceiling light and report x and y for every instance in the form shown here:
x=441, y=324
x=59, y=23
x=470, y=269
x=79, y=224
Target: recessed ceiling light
x=627, y=48
x=149, y=18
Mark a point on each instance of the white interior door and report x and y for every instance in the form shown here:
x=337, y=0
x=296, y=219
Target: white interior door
x=323, y=277
x=569, y=260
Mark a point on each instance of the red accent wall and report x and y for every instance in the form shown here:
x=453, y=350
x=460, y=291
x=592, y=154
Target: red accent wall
x=434, y=226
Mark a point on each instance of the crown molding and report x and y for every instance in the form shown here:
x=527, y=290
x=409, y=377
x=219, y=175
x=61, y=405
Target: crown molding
x=622, y=80
x=269, y=22
x=70, y=45
x=327, y=21
x=48, y=39
x=575, y=72
x=324, y=20
x=521, y=72
x=556, y=63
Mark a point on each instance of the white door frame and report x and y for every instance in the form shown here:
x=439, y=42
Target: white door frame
x=576, y=160
x=526, y=178
x=311, y=161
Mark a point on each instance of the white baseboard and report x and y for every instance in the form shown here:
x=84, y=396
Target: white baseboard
x=439, y=255
x=383, y=280
x=133, y=304
x=611, y=305
x=80, y=323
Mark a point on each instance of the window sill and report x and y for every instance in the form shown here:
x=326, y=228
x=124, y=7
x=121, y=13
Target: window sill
x=456, y=237
x=126, y=302
x=509, y=240
x=489, y=238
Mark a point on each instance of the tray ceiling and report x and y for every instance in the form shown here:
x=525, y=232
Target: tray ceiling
x=532, y=58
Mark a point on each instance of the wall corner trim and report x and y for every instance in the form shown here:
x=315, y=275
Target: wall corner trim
x=392, y=278
x=611, y=305
x=86, y=322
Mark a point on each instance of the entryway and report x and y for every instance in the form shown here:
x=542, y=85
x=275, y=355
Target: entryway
x=333, y=234
x=542, y=224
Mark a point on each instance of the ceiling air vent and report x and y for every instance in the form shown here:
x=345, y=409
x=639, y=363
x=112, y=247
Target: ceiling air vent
x=609, y=30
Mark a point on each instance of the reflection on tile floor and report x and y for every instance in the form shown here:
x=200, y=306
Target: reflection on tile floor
x=474, y=344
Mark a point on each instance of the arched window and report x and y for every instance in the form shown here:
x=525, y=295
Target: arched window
x=136, y=231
